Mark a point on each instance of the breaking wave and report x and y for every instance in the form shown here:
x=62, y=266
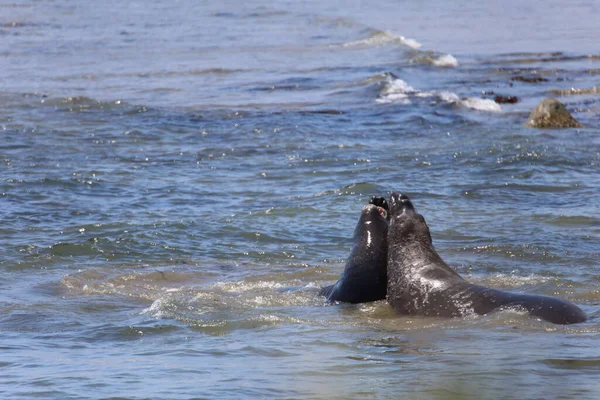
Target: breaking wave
x=379, y=38
x=396, y=90
x=443, y=60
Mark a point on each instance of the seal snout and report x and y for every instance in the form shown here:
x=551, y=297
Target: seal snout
x=374, y=209
x=400, y=203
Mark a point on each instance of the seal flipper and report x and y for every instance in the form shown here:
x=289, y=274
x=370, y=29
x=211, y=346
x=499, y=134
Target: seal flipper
x=551, y=309
x=548, y=308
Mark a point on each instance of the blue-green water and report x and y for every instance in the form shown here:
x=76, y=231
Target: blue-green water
x=179, y=179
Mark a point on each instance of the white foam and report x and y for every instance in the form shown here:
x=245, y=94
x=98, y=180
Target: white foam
x=470, y=102
x=379, y=38
x=396, y=90
x=448, y=97
x=242, y=286
x=398, y=86
x=446, y=60
x=394, y=98
x=270, y=318
x=425, y=94
x=376, y=39
x=481, y=104
x=156, y=309
x=410, y=42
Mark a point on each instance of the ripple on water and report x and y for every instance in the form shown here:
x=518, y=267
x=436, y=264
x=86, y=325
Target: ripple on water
x=572, y=363
x=361, y=188
x=178, y=219
x=521, y=251
x=583, y=221
x=206, y=303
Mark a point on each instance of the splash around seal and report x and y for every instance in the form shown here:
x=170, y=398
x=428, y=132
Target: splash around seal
x=421, y=283
x=364, y=277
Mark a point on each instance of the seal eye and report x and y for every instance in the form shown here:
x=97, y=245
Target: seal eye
x=382, y=212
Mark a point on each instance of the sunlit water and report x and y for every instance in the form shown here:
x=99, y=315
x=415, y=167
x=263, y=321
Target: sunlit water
x=178, y=180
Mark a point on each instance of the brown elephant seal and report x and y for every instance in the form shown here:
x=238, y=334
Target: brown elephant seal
x=364, y=277
x=421, y=283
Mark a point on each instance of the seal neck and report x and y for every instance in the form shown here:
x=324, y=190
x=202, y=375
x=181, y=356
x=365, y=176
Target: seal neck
x=414, y=254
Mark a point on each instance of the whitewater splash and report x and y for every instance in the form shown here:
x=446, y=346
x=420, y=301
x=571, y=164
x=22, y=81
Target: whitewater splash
x=396, y=90
x=379, y=38
x=443, y=60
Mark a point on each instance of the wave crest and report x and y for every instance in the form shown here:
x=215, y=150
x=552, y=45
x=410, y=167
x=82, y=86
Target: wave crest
x=444, y=60
x=379, y=38
x=396, y=90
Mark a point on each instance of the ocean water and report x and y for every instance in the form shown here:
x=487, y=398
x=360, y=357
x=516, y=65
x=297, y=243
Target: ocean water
x=178, y=180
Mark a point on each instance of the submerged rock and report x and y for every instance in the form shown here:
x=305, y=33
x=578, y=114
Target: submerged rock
x=551, y=113
x=506, y=99
x=529, y=79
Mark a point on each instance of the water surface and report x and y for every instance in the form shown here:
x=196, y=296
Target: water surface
x=179, y=179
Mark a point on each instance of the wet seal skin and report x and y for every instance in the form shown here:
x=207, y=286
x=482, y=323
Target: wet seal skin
x=364, y=277
x=421, y=283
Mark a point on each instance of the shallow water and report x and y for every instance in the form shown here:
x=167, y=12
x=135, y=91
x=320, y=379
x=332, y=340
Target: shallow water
x=178, y=181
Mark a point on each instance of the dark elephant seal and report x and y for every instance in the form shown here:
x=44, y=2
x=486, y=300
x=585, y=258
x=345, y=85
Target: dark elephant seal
x=421, y=283
x=365, y=275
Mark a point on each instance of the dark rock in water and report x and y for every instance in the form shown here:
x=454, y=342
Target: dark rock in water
x=551, y=113
x=528, y=79
x=506, y=99
x=324, y=111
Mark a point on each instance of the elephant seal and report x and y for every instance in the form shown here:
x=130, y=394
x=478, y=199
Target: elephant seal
x=365, y=275
x=421, y=283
